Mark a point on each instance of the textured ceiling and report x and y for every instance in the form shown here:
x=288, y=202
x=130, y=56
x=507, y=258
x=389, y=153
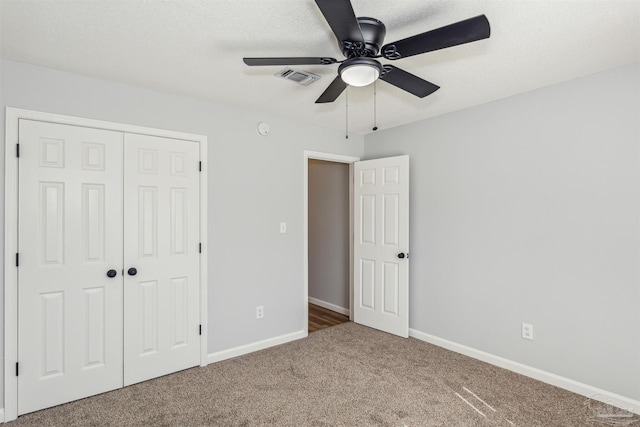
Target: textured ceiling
x=195, y=48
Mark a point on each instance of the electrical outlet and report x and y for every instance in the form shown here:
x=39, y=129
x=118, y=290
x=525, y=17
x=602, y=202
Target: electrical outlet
x=527, y=331
x=259, y=312
x=283, y=227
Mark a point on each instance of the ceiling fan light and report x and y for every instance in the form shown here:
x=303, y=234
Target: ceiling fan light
x=359, y=75
x=360, y=71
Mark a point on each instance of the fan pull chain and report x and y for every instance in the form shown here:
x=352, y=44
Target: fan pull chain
x=375, y=119
x=346, y=112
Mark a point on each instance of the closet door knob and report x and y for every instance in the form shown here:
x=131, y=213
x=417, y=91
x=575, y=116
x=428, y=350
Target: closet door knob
x=112, y=273
x=401, y=255
x=132, y=271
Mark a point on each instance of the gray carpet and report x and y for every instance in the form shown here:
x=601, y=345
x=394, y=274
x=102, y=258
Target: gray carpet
x=348, y=375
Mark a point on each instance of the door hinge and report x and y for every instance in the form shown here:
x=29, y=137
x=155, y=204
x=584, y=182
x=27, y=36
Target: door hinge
x=200, y=166
x=17, y=259
x=199, y=248
x=200, y=330
x=17, y=370
x=17, y=150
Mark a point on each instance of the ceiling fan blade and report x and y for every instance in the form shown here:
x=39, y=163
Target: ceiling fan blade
x=334, y=90
x=407, y=81
x=290, y=61
x=342, y=20
x=462, y=32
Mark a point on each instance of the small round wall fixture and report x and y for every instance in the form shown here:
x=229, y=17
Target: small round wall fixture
x=263, y=129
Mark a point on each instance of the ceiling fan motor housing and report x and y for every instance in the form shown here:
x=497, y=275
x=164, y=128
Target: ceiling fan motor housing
x=373, y=32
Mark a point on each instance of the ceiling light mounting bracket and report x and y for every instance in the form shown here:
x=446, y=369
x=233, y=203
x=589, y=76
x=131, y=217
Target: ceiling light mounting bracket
x=373, y=32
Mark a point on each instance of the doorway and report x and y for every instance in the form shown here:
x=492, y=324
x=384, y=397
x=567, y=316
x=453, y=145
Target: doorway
x=378, y=241
x=328, y=245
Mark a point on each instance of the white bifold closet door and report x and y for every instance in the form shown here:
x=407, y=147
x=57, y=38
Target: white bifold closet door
x=161, y=234
x=94, y=204
x=70, y=234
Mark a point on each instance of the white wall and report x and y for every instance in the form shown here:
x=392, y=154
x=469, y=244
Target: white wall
x=254, y=184
x=527, y=209
x=329, y=232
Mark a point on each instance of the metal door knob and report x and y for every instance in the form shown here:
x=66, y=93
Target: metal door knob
x=132, y=271
x=401, y=255
x=112, y=273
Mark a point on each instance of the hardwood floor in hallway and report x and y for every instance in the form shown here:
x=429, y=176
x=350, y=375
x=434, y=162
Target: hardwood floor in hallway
x=320, y=318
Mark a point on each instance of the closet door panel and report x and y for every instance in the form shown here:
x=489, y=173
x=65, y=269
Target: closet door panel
x=70, y=234
x=162, y=318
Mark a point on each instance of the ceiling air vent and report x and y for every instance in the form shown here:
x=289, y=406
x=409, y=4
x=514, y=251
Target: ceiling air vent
x=300, y=77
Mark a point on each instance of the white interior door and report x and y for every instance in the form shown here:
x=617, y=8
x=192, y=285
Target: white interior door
x=381, y=244
x=86, y=322
x=161, y=234
x=70, y=235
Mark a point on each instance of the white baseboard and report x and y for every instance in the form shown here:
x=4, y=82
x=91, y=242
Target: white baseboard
x=250, y=348
x=329, y=306
x=535, y=373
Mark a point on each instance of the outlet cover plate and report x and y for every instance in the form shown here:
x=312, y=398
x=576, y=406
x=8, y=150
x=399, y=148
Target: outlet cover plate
x=527, y=331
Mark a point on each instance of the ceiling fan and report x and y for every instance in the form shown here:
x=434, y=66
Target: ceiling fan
x=360, y=40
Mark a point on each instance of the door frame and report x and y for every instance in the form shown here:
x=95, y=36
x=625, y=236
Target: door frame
x=11, y=215
x=337, y=158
